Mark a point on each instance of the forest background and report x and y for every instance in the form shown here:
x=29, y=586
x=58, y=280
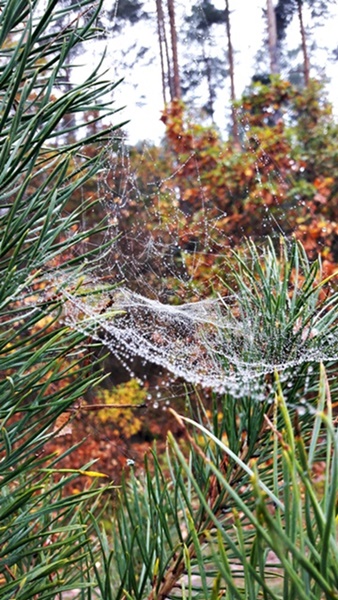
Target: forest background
x=203, y=190
x=202, y=49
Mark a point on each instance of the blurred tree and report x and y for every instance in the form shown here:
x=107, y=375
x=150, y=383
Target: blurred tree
x=205, y=66
x=272, y=38
x=286, y=10
x=235, y=132
x=164, y=52
x=284, y=13
x=118, y=21
x=126, y=10
x=306, y=61
x=175, y=76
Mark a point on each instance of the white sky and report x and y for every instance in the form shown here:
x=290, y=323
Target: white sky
x=141, y=90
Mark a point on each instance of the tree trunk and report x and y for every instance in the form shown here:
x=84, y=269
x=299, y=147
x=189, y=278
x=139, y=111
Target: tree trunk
x=211, y=92
x=306, y=62
x=272, y=38
x=161, y=42
x=232, y=76
x=173, y=33
x=167, y=57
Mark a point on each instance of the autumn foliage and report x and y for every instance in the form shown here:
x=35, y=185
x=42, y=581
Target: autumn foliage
x=179, y=208
x=197, y=195
x=282, y=180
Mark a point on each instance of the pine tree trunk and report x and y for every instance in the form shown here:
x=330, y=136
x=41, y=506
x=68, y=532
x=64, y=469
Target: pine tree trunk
x=272, y=37
x=161, y=41
x=306, y=62
x=173, y=34
x=170, y=78
x=232, y=76
x=211, y=91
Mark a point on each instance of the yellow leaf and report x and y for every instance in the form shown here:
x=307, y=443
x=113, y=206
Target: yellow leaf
x=92, y=473
x=79, y=471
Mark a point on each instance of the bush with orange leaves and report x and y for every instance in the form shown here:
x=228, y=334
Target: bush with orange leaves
x=205, y=194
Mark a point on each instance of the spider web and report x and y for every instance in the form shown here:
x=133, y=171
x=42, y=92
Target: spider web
x=159, y=311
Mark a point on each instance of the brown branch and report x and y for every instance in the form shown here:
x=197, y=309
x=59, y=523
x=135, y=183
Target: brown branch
x=272, y=38
x=173, y=34
x=161, y=42
x=95, y=407
x=277, y=433
x=177, y=569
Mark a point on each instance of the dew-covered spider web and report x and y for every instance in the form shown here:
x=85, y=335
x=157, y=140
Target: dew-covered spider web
x=204, y=342
x=160, y=311
x=162, y=287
